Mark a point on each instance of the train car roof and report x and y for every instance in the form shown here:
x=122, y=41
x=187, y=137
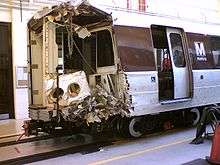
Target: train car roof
x=88, y=13
x=78, y=15
x=146, y=19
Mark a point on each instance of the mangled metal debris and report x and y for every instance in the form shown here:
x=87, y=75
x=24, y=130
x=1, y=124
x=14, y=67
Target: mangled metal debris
x=100, y=105
x=77, y=41
x=78, y=103
x=74, y=17
x=69, y=84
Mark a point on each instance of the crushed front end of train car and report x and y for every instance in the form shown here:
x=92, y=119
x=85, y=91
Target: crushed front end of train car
x=74, y=80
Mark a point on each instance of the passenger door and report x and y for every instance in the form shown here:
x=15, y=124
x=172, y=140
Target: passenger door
x=179, y=64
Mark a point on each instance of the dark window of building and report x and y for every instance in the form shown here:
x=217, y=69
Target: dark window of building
x=177, y=50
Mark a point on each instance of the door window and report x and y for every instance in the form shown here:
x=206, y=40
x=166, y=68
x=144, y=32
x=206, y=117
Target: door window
x=177, y=50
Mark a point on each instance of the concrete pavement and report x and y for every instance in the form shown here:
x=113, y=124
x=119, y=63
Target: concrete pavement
x=168, y=148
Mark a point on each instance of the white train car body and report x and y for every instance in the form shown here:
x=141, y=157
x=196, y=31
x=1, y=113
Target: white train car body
x=157, y=64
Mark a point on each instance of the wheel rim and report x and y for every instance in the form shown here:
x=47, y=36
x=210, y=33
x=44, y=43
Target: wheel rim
x=131, y=127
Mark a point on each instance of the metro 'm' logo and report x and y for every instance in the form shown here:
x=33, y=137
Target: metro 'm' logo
x=200, y=51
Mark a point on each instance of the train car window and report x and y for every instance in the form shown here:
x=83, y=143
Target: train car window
x=75, y=62
x=200, y=51
x=215, y=48
x=177, y=50
x=72, y=62
x=105, y=55
x=135, y=48
x=92, y=51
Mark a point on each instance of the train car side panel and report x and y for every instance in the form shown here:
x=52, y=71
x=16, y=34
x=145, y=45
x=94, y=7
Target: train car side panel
x=136, y=54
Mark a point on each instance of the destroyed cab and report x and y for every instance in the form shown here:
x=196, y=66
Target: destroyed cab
x=74, y=74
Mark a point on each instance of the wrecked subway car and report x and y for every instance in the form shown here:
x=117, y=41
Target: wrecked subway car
x=90, y=72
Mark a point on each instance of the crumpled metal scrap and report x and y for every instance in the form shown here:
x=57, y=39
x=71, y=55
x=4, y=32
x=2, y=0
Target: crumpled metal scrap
x=100, y=105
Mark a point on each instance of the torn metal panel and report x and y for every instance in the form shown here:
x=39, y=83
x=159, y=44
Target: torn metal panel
x=50, y=48
x=36, y=80
x=65, y=14
x=100, y=105
x=77, y=102
x=66, y=83
x=42, y=13
x=42, y=114
x=123, y=86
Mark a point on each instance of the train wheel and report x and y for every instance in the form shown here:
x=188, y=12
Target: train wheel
x=129, y=127
x=121, y=127
x=196, y=115
x=151, y=123
x=134, y=127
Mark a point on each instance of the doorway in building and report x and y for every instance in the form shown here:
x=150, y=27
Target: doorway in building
x=6, y=72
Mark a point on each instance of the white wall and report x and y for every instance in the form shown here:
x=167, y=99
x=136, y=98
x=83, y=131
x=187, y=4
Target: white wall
x=19, y=51
x=203, y=10
x=19, y=37
x=5, y=15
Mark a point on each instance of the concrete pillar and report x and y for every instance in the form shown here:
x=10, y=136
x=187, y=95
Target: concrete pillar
x=19, y=52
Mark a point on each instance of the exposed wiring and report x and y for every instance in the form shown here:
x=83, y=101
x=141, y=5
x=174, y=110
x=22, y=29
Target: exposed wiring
x=21, y=9
x=70, y=38
x=83, y=56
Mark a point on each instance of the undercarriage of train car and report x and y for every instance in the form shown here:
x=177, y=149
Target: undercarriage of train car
x=76, y=83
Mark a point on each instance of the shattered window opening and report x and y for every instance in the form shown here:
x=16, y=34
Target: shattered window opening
x=87, y=54
x=105, y=51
